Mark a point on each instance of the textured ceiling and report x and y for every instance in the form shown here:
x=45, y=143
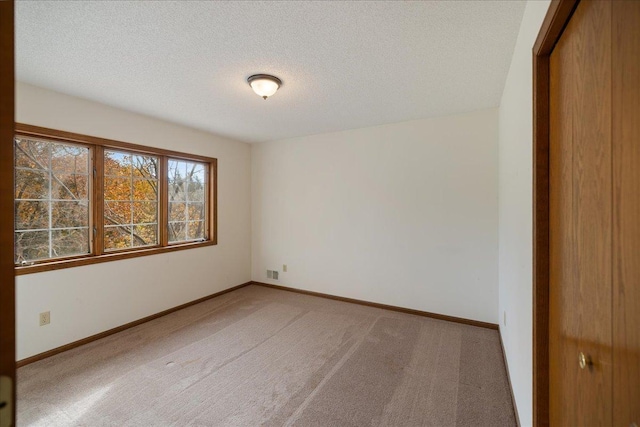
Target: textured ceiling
x=344, y=65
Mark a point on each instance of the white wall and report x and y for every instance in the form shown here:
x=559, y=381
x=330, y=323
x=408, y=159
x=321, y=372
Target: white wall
x=87, y=300
x=515, y=201
x=403, y=214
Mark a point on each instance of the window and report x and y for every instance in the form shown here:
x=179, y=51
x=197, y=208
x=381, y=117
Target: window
x=187, y=201
x=51, y=200
x=130, y=200
x=81, y=200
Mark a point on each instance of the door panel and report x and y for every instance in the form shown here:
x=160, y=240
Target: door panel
x=580, y=219
x=626, y=220
x=561, y=269
x=592, y=209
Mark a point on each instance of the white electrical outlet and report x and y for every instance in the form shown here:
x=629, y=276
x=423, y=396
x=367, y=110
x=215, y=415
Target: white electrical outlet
x=275, y=275
x=284, y=268
x=504, y=318
x=45, y=318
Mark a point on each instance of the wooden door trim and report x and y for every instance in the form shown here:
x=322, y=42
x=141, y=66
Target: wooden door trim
x=555, y=21
x=7, y=114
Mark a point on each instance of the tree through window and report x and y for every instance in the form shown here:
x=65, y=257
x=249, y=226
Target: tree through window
x=187, y=200
x=81, y=199
x=130, y=200
x=51, y=200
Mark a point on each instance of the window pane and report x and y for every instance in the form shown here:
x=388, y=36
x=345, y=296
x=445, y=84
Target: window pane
x=145, y=235
x=177, y=231
x=177, y=191
x=31, y=246
x=70, y=187
x=178, y=211
x=145, y=167
x=70, y=242
x=31, y=184
x=187, y=183
x=145, y=189
x=145, y=212
x=131, y=200
x=177, y=170
x=69, y=159
x=195, y=211
x=117, y=188
x=51, y=192
x=117, y=213
x=32, y=154
x=197, y=183
x=31, y=215
x=195, y=230
x=69, y=214
x=117, y=237
x=117, y=164
x=196, y=191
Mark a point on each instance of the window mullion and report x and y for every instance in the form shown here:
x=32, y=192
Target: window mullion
x=131, y=202
x=50, y=202
x=163, y=199
x=98, y=200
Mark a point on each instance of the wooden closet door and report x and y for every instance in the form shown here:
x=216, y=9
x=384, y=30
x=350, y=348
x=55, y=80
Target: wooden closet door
x=580, y=293
x=626, y=207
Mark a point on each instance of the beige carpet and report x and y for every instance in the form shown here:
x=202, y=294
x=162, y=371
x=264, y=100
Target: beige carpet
x=258, y=356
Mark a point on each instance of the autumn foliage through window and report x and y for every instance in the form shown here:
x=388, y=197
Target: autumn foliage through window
x=130, y=200
x=51, y=200
x=78, y=200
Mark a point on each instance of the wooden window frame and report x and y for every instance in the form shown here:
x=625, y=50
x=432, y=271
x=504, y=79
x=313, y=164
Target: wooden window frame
x=97, y=253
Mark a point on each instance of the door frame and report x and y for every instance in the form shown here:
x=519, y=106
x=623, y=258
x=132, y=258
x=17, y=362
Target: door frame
x=554, y=23
x=7, y=274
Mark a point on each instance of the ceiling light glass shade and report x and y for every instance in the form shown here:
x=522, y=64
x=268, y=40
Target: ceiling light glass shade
x=264, y=84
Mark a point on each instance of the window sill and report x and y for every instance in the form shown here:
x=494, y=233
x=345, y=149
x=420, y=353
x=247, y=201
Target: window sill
x=96, y=259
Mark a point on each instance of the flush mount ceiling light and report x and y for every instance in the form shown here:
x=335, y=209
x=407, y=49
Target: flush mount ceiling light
x=264, y=84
